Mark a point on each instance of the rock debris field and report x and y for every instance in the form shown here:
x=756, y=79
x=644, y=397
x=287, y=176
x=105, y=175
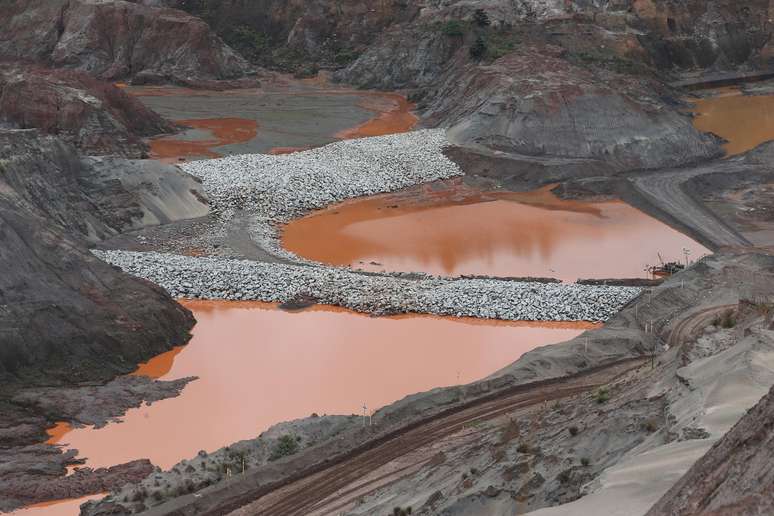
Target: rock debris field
x=276, y=189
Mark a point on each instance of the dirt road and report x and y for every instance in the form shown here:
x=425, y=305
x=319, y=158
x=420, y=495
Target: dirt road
x=300, y=496
x=664, y=191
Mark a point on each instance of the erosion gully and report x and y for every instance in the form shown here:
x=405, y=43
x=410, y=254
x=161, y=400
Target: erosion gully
x=258, y=365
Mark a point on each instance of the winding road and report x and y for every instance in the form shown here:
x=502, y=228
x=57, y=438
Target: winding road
x=665, y=191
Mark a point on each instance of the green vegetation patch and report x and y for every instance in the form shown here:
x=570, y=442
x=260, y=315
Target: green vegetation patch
x=284, y=446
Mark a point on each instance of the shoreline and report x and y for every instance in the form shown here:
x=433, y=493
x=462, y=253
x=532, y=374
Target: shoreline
x=273, y=190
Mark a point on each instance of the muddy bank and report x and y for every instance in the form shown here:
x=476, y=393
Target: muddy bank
x=452, y=229
x=271, y=120
x=36, y=469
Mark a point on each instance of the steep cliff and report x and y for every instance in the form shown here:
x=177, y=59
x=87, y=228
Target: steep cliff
x=95, y=116
x=66, y=316
x=534, y=102
x=117, y=40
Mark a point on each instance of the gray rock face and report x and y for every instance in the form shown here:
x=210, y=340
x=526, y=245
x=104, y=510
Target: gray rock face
x=97, y=117
x=94, y=197
x=117, y=40
x=51, y=285
x=535, y=103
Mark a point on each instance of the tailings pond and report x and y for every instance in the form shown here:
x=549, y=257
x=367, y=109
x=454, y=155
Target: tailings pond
x=450, y=229
x=258, y=365
x=745, y=121
x=269, y=120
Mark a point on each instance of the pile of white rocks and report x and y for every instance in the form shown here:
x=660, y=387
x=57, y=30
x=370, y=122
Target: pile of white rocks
x=287, y=186
x=277, y=189
x=221, y=278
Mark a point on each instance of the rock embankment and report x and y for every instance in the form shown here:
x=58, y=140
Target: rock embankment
x=277, y=189
x=286, y=186
x=219, y=278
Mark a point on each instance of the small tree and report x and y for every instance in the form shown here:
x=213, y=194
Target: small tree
x=478, y=49
x=481, y=18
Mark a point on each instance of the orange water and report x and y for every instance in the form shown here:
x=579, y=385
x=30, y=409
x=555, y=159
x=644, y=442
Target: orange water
x=69, y=507
x=258, y=365
x=745, y=121
x=457, y=230
x=224, y=131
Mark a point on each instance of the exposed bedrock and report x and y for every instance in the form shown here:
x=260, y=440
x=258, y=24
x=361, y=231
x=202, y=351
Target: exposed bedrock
x=700, y=34
x=94, y=197
x=117, y=40
x=536, y=103
x=67, y=318
x=97, y=117
x=64, y=315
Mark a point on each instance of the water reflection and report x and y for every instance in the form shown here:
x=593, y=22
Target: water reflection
x=461, y=231
x=259, y=365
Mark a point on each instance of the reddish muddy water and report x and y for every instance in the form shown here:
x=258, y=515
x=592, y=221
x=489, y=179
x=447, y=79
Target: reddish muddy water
x=276, y=122
x=69, y=507
x=745, y=121
x=258, y=365
x=394, y=114
x=220, y=131
x=456, y=230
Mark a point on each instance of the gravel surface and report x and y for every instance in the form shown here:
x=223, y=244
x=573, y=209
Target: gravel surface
x=276, y=189
x=220, y=278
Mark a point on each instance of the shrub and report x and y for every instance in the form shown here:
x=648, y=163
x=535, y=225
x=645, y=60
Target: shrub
x=453, y=28
x=728, y=320
x=285, y=445
x=344, y=57
x=478, y=49
x=649, y=426
x=523, y=448
x=481, y=18
x=564, y=476
x=399, y=511
x=306, y=71
x=247, y=41
x=585, y=462
x=602, y=395
x=573, y=431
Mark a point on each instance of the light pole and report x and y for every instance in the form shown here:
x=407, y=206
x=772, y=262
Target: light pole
x=364, y=414
x=686, y=253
